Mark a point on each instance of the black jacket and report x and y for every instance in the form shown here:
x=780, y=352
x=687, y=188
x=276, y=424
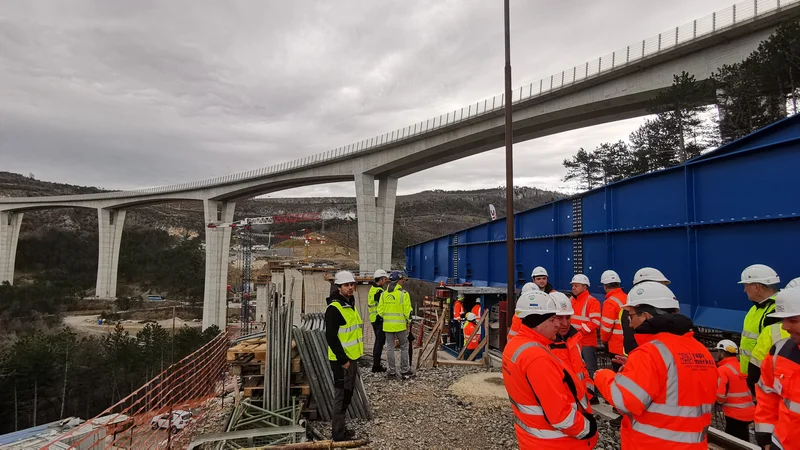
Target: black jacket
x=666, y=323
x=334, y=320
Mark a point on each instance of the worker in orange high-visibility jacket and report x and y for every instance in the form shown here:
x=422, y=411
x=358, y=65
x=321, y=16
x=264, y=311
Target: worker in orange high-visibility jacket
x=458, y=309
x=550, y=405
x=477, y=308
x=468, y=329
x=611, y=327
x=587, y=312
x=515, y=321
x=778, y=391
x=567, y=346
x=733, y=394
x=667, y=388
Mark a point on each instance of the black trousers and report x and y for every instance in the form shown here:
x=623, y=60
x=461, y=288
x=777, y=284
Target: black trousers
x=344, y=381
x=738, y=428
x=380, y=342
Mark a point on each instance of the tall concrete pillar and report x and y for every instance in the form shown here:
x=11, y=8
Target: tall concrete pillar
x=218, y=244
x=10, y=222
x=367, y=227
x=109, y=223
x=375, y=221
x=387, y=193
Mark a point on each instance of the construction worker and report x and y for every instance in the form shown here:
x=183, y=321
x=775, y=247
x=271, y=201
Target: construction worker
x=373, y=299
x=395, y=308
x=547, y=397
x=611, y=327
x=540, y=278
x=345, y=347
x=768, y=337
x=628, y=340
x=477, y=308
x=667, y=388
x=760, y=284
x=587, y=309
x=567, y=345
x=468, y=329
x=732, y=392
x=459, y=312
x=778, y=392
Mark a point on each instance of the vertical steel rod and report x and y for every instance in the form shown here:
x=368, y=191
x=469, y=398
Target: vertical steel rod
x=509, y=173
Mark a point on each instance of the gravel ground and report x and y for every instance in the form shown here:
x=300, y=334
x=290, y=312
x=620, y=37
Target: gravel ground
x=434, y=410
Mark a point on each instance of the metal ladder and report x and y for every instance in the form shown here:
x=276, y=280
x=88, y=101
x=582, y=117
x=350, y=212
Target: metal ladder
x=577, y=239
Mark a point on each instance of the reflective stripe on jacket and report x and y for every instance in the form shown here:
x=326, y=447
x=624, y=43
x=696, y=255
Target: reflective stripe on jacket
x=516, y=322
x=587, y=311
x=733, y=394
x=666, y=393
x=472, y=345
x=768, y=337
x=372, y=303
x=395, y=309
x=350, y=334
x=610, y=325
x=458, y=309
x=753, y=324
x=548, y=400
x=778, y=394
x=569, y=351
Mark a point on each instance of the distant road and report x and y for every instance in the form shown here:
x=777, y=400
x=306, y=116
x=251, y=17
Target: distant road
x=88, y=324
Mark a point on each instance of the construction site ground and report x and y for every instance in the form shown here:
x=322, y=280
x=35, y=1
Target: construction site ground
x=444, y=408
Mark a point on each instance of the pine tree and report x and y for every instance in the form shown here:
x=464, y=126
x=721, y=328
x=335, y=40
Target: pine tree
x=585, y=168
x=616, y=161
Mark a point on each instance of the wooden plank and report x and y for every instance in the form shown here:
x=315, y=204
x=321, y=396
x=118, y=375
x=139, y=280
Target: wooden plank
x=474, y=332
x=424, y=347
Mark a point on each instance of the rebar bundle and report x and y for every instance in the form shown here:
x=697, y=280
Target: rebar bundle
x=313, y=348
x=278, y=361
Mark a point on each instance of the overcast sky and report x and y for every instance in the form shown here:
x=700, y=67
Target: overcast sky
x=126, y=95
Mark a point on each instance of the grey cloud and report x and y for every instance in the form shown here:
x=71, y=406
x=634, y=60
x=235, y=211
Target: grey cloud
x=135, y=94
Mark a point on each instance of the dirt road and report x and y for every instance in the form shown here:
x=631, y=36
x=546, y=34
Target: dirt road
x=89, y=325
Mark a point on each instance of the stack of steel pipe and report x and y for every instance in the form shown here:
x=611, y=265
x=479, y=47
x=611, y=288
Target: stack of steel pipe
x=278, y=362
x=313, y=348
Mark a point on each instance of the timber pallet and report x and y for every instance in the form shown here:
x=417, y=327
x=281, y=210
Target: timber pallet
x=244, y=349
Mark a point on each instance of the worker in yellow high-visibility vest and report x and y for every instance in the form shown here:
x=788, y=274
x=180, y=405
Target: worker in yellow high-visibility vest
x=373, y=298
x=760, y=284
x=395, y=308
x=345, y=347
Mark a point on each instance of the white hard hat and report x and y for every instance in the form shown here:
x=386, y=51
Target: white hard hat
x=649, y=274
x=609, y=276
x=539, y=272
x=727, y=345
x=471, y=316
x=478, y=300
x=654, y=294
x=793, y=284
x=535, y=302
x=380, y=273
x=343, y=277
x=564, y=304
x=529, y=286
x=759, y=273
x=787, y=304
x=580, y=279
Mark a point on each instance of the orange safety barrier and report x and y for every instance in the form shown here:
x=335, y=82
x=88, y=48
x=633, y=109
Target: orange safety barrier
x=182, y=386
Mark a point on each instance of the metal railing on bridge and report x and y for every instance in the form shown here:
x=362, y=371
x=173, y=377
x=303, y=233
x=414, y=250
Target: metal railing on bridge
x=716, y=22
